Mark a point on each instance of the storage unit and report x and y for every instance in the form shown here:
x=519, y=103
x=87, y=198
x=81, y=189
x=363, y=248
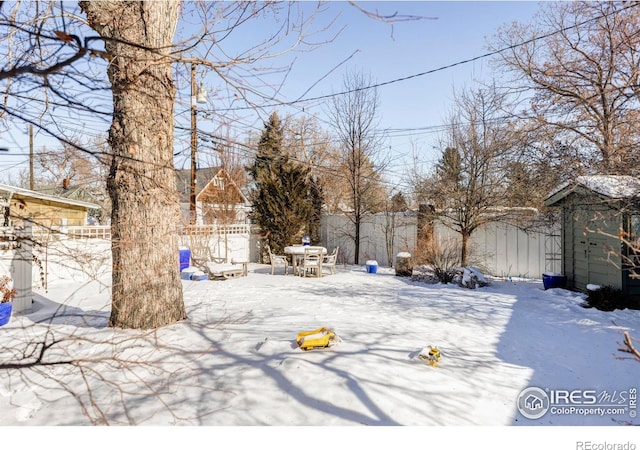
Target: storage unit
x=600, y=214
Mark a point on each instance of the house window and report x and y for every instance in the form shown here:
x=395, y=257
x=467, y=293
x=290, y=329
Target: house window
x=219, y=183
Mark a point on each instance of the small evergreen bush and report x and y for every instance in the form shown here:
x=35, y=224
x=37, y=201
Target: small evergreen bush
x=606, y=298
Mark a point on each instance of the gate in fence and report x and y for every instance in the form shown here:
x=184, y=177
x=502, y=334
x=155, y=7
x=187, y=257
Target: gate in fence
x=16, y=261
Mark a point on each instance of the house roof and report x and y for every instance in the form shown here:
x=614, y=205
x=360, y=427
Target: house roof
x=203, y=178
x=183, y=181
x=71, y=192
x=610, y=186
x=13, y=190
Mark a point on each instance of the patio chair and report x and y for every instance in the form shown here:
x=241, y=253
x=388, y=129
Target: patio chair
x=311, y=262
x=199, y=256
x=214, y=267
x=329, y=261
x=277, y=260
x=218, y=268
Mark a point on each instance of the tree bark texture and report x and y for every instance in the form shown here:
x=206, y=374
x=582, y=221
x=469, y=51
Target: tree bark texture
x=146, y=291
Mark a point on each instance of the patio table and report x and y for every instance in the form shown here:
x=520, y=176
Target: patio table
x=297, y=252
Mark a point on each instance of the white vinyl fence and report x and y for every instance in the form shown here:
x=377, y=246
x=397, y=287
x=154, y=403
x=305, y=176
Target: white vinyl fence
x=225, y=241
x=504, y=250
x=84, y=252
x=37, y=257
x=382, y=236
x=500, y=249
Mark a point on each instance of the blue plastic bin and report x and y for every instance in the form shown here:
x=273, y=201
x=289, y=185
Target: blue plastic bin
x=185, y=258
x=5, y=312
x=372, y=266
x=553, y=280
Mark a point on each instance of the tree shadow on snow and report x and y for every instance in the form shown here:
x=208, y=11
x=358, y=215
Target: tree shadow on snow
x=565, y=347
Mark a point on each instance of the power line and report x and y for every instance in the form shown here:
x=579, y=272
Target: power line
x=439, y=69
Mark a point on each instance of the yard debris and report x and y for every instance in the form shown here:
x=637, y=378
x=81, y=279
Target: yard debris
x=471, y=278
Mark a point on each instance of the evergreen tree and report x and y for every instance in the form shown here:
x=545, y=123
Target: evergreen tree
x=281, y=198
x=316, y=198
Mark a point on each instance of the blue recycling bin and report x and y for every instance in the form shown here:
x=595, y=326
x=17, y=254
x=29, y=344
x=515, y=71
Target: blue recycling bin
x=553, y=280
x=372, y=266
x=185, y=258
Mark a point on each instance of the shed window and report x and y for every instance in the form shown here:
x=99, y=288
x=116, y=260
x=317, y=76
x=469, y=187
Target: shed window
x=634, y=227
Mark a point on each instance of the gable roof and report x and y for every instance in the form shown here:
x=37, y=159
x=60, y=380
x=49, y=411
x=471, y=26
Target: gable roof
x=610, y=186
x=204, y=176
x=183, y=181
x=13, y=190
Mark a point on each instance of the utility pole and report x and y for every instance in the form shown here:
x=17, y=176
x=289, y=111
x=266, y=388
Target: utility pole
x=198, y=95
x=31, y=181
x=194, y=148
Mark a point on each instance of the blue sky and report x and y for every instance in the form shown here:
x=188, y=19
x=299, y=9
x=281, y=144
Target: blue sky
x=457, y=32
x=450, y=32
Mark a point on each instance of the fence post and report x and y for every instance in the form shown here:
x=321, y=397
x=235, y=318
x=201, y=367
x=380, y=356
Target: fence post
x=23, y=269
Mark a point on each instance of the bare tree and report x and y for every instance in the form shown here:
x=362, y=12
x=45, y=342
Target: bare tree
x=68, y=173
x=393, y=206
x=582, y=62
x=468, y=187
x=129, y=83
x=354, y=118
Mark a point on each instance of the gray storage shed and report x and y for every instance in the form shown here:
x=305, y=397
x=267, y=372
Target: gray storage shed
x=599, y=214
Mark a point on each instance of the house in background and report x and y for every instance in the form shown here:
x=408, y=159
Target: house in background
x=600, y=214
x=219, y=200
x=43, y=209
x=83, y=194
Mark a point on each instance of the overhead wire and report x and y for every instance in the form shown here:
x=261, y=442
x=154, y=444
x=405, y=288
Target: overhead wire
x=441, y=68
x=409, y=132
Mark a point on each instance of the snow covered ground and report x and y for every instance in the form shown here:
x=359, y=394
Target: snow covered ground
x=235, y=362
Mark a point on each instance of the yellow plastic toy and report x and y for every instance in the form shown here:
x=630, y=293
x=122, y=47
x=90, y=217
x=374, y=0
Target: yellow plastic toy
x=320, y=338
x=432, y=356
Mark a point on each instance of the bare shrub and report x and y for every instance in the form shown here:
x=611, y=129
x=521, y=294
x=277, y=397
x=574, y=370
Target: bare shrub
x=441, y=255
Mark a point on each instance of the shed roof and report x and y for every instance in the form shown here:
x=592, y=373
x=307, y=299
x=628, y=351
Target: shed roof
x=41, y=196
x=611, y=186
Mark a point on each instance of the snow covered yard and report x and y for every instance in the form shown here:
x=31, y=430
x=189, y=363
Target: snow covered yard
x=235, y=361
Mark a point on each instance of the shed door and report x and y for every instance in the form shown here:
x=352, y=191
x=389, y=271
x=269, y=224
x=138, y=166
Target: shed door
x=590, y=266
x=592, y=253
x=580, y=260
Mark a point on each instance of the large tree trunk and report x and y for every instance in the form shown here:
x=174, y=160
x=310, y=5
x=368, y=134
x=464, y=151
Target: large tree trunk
x=147, y=292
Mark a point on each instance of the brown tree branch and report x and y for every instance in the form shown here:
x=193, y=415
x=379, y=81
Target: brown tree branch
x=629, y=346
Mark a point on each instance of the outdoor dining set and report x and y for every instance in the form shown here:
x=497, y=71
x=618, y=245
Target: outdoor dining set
x=199, y=263
x=306, y=260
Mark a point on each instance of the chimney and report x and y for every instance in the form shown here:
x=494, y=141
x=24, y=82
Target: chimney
x=65, y=183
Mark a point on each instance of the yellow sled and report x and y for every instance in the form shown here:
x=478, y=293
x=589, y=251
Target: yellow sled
x=320, y=338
